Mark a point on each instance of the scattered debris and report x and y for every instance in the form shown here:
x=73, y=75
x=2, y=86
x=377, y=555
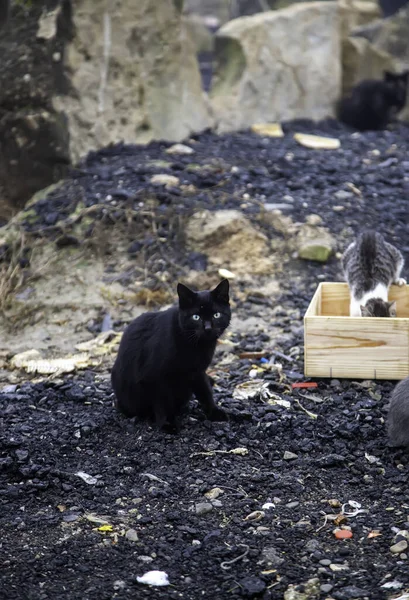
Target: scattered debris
x=268, y=129
x=317, y=142
x=203, y=508
x=304, y=384
x=166, y=180
x=227, y=563
x=156, y=578
x=179, y=149
x=32, y=362
x=214, y=493
x=87, y=478
x=226, y=274
x=256, y=515
x=289, y=455
x=343, y=534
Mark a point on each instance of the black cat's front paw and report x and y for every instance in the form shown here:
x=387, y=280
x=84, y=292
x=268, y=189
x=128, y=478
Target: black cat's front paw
x=218, y=414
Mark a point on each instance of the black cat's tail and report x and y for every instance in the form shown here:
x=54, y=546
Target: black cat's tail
x=368, y=249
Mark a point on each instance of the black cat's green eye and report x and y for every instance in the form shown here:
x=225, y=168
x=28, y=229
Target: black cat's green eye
x=195, y=317
x=217, y=315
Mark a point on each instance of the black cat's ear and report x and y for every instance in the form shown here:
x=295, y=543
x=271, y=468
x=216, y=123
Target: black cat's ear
x=221, y=292
x=388, y=76
x=186, y=296
x=392, y=308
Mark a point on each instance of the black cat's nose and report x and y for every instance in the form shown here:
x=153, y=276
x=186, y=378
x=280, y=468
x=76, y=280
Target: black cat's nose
x=207, y=325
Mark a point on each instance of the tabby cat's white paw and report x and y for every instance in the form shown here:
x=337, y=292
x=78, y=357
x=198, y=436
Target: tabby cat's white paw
x=400, y=282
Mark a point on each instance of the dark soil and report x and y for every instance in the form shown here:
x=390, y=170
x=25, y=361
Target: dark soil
x=152, y=482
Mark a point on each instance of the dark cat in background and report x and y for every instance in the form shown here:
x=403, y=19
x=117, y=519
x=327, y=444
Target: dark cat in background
x=163, y=357
x=398, y=415
x=371, y=265
x=372, y=104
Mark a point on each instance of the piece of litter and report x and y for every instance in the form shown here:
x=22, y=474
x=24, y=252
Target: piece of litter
x=317, y=142
x=164, y=179
x=307, y=412
x=240, y=451
x=87, y=478
x=32, y=362
x=95, y=519
x=355, y=505
x=254, y=373
x=372, y=459
x=393, y=585
x=214, y=493
x=256, y=515
x=374, y=533
x=304, y=384
x=253, y=355
x=342, y=534
x=268, y=129
x=158, y=578
x=268, y=505
x=105, y=528
x=226, y=274
x=154, y=478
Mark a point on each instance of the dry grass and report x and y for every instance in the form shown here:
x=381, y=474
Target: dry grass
x=12, y=275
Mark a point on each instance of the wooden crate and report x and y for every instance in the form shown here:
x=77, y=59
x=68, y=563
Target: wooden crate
x=340, y=346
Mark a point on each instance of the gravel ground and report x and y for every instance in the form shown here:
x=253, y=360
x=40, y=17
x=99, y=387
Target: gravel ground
x=194, y=504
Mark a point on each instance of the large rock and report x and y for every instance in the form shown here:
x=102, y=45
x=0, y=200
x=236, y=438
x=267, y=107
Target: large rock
x=230, y=241
x=76, y=75
x=371, y=45
x=278, y=65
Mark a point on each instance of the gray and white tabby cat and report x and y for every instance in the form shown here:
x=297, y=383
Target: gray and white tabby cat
x=371, y=265
x=398, y=415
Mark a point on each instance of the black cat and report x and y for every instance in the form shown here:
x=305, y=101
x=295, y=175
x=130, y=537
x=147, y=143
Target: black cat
x=163, y=357
x=372, y=104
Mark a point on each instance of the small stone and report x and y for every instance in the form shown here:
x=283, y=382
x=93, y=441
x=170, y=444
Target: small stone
x=213, y=493
x=271, y=556
x=292, y=504
x=289, y=455
x=252, y=586
x=203, y=508
x=22, y=455
x=326, y=588
x=336, y=567
x=399, y=547
x=164, y=179
x=312, y=545
x=343, y=195
x=350, y=591
x=313, y=220
x=131, y=535
x=179, y=149
x=119, y=585
x=325, y=562
x=338, y=208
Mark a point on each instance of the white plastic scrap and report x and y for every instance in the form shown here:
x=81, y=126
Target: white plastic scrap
x=356, y=506
x=87, y=478
x=393, y=585
x=157, y=578
x=372, y=459
x=268, y=505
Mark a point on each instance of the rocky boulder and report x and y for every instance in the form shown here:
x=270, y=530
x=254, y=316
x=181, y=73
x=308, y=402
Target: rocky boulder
x=230, y=241
x=76, y=75
x=278, y=65
x=314, y=242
